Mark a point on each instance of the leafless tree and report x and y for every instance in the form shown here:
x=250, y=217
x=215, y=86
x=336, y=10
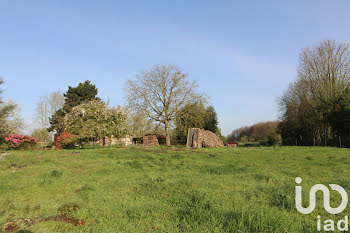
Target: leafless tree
x=47, y=106
x=160, y=93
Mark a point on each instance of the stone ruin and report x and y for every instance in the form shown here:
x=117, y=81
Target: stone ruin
x=150, y=140
x=199, y=138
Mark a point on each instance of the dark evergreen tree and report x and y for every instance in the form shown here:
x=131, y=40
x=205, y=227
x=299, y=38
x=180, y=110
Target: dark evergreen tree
x=74, y=96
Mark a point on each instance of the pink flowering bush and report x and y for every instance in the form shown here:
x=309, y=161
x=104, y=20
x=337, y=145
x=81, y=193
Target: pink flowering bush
x=16, y=141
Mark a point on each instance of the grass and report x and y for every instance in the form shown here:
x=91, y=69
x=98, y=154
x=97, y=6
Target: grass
x=166, y=190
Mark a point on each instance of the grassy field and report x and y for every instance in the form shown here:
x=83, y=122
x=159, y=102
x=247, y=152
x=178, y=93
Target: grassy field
x=166, y=189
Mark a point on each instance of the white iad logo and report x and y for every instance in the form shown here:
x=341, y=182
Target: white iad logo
x=326, y=198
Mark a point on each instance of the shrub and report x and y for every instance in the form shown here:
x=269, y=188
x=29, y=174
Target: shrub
x=65, y=141
x=16, y=141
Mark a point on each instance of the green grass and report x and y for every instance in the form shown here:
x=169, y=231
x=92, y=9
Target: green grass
x=161, y=190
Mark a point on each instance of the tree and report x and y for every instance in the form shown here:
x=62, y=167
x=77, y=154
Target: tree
x=160, y=93
x=140, y=125
x=211, y=120
x=195, y=115
x=42, y=135
x=73, y=97
x=192, y=115
x=77, y=95
x=47, y=107
x=94, y=120
x=311, y=103
x=259, y=132
x=10, y=120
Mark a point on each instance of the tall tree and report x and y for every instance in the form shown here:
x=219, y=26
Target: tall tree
x=160, y=93
x=211, y=119
x=47, y=107
x=308, y=106
x=76, y=95
x=73, y=97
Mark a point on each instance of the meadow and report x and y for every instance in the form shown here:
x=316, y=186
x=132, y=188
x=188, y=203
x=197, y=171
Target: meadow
x=166, y=189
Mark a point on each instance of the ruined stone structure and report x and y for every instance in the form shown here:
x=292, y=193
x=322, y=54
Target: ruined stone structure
x=198, y=138
x=150, y=140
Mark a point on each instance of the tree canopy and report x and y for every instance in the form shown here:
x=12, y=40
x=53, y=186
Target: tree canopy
x=94, y=120
x=195, y=115
x=160, y=93
x=73, y=97
x=315, y=107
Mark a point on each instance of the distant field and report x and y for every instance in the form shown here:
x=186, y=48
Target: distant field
x=166, y=190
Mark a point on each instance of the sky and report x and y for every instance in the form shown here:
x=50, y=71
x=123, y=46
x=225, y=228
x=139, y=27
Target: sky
x=243, y=54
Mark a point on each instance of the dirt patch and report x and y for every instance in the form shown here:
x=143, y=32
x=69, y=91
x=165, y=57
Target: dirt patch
x=64, y=218
x=11, y=226
x=17, y=166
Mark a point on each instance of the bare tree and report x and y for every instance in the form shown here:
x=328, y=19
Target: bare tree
x=56, y=101
x=47, y=106
x=160, y=93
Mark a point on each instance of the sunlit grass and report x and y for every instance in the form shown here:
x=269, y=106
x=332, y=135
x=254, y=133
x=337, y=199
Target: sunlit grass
x=162, y=190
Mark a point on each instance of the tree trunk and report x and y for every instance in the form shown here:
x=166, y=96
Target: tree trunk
x=167, y=133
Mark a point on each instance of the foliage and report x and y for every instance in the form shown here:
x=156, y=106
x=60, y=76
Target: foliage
x=65, y=141
x=211, y=119
x=195, y=115
x=139, y=125
x=10, y=121
x=314, y=109
x=77, y=95
x=224, y=139
x=255, y=133
x=162, y=190
x=190, y=116
x=73, y=97
x=16, y=141
x=160, y=93
x=42, y=135
x=94, y=120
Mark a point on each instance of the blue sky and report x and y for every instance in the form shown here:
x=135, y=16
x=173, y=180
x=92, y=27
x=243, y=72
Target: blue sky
x=242, y=53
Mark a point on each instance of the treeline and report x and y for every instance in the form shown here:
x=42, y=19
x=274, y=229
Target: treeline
x=262, y=132
x=160, y=101
x=315, y=110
